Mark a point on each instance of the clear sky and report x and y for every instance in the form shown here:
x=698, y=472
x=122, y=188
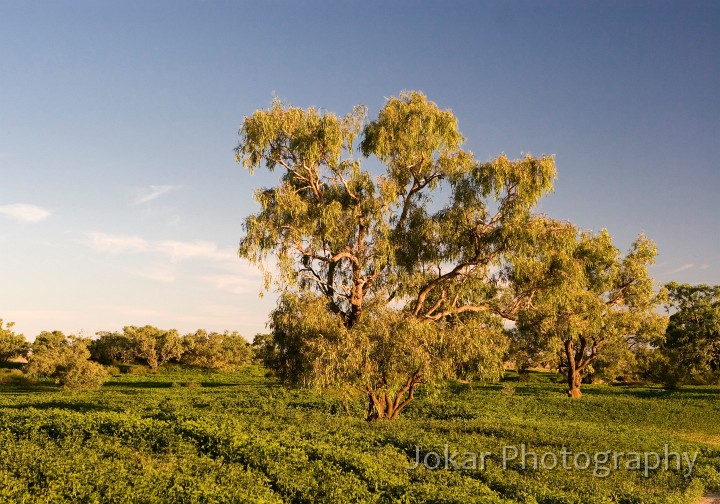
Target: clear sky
x=121, y=202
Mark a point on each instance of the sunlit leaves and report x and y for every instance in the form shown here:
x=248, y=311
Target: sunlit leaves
x=416, y=140
x=358, y=238
x=396, y=276
x=11, y=344
x=377, y=355
x=66, y=360
x=586, y=294
x=693, y=335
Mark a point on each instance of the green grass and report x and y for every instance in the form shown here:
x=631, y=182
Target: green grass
x=192, y=436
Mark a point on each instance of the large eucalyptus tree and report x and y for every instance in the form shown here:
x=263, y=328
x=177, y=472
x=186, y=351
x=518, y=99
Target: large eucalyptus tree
x=393, y=277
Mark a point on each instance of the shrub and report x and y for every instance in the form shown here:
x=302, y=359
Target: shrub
x=226, y=351
x=66, y=360
x=81, y=374
x=11, y=345
x=149, y=345
x=113, y=370
x=112, y=348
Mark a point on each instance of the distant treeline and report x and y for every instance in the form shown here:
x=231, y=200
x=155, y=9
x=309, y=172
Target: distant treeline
x=77, y=362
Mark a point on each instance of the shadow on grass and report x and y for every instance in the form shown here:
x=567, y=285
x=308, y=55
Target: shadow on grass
x=80, y=407
x=619, y=391
x=697, y=390
x=11, y=365
x=28, y=388
x=177, y=384
x=505, y=387
x=211, y=384
x=652, y=392
x=137, y=384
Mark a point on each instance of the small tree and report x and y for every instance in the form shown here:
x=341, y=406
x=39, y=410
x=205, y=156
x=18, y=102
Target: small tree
x=236, y=350
x=153, y=346
x=79, y=373
x=586, y=296
x=226, y=351
x=49, y=349
x=265, y=350
x=112, y=348
x=692, y=340
x=168, y=346
x=11, y=345
x=66, y=360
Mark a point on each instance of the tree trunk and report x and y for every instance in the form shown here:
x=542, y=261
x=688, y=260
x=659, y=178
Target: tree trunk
x=384, y=406
x=574, y=375
x=574, y=380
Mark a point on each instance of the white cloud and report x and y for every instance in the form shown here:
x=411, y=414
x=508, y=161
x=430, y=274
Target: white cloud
x=26, y=213
x=152, y=192
x=684, y=267
x=104, y=242
x=235, y=284
x=158, y=273
x=179, y=250
x=173, y=250
x=167, y=261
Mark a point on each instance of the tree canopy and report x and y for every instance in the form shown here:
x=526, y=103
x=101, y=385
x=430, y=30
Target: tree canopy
x=585, y=297
x=692, y=340
x=357, y=239
x=66, y=360
x=11, y=344
x=419, y=247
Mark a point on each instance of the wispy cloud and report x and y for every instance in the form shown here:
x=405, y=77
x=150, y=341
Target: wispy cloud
x=25, y=213
x=151, y=193
x=684, y=267
x=174, y=250
x=104, y=242
x=157, y=272
x=164, y=261
x=180, y=250
x=235, y=283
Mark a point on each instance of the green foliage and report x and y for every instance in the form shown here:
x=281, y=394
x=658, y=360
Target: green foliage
x=395, y=248
x=226, y=351
x=360, y=240
x=617, y=362
x=265, y=350
x=385, y=355
x=241, y=438
x=154, y=346
x=588, y=299
x=66, y=360
x=112, y=348
x=81, y=374
x=11, y=345
x=692, y=340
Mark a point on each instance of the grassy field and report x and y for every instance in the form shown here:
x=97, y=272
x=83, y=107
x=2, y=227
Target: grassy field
x=187, y=436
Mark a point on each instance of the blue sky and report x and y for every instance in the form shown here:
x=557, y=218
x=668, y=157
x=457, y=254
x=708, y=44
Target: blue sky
x=121, y=202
